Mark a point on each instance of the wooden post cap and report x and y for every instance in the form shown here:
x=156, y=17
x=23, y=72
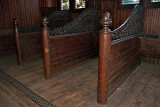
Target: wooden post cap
x=106, y=22
x=45, y=22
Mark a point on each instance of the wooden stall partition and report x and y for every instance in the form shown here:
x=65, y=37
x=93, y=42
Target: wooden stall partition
x=124, y=59
x=28, y=45
x=66, y=51
x=116, y=61
x=7, y=42
x=152, y=21
x=31, y=46
x=72, y=44
x=150, y=50
x=70, y=50
x=119, y=57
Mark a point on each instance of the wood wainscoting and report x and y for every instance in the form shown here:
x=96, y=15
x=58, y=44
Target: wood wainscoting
x=150, y=50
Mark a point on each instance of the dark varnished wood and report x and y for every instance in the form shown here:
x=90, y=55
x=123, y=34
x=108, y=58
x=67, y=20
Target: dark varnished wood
x=29, y=42
x=7, y=42
x=26, y=11
x=71, y=44
x=104, y=59
x=152, y=21
x=124, y=62
x=31, y=46
x=18, y=46
x=150, y=48
x=29, y=15
x=117, y=59
x=119, y=15
x=152, y=44
x=46, y=49
x=77, y=87
x=68, y=51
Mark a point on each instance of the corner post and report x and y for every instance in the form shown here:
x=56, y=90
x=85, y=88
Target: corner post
x=46, y=50
x=17, y=37
x=104, y=59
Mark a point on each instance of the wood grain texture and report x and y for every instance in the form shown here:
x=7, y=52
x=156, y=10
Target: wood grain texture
x=150, y=50
x=125, y=58
x=119, y=15
x=7, y=42
x=11, y=96
x=78, y=86
x=31, y=46
x=104, y=58
x=117, y=59
x=26, y=11
x=48, y=6
x=17, y=37
x=68, y=51
x=152, y=21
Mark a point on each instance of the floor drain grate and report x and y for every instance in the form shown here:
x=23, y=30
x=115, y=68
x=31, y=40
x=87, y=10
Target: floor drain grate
x=26, y=91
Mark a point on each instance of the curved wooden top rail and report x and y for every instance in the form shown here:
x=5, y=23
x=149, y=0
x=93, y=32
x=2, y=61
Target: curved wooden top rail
x=133, y=25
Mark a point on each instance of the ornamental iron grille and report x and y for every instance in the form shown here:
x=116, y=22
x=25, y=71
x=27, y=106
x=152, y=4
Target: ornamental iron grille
x=133, y=25
x=56, y=19
x=88, y=21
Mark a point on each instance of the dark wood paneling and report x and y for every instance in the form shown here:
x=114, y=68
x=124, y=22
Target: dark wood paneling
x=119, y=48
x=68, y=51
x=119, y=15
x=7, y=42
x=26, y=11
x=48, y=6
x=150, y=50
x=31, y=46
x=152, y=21
x=123, y=63
x=108, y=6
x=48, y=3
x=150, y=44
x=119, y=60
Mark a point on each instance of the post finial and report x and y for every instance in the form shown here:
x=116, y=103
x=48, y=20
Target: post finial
x=106, y=22
x=45, y=22
x=15, y=23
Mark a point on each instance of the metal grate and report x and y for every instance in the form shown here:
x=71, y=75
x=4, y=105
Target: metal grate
x=86, y=22
x=26, y=91
x=133, y=25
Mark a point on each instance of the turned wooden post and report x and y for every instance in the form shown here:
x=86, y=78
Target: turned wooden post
x=104, y=59
x=46, y=51
x=16, y=35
